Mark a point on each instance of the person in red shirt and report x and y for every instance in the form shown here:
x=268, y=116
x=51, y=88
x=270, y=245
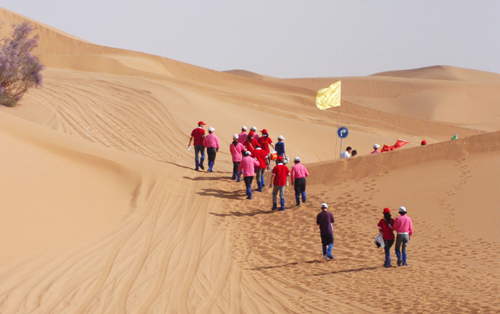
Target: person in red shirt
x=265, y=141
x=278, y=179
x=251, y=143
x=198, y=135
x=385, y=226
x=261, y=156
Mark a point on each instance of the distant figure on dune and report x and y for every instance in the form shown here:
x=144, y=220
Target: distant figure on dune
x=261, y=156
x=325, y=221
x=298, y=177
x=198, y=135
x=347, y=153
x=385, y=226
x=242, y=137
x=247, y=165
x=375, y=149
x=278, y=179
x=404, y=227
x=236, y=150
x=211, y=142
x=280, y=146
x=423, y=143
x=354, y=153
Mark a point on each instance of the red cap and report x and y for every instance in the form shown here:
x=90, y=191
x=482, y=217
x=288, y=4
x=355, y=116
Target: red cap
x=280, y=158
x=387, y=210
x=423, y=142
x=201, y=123
x=264, y=131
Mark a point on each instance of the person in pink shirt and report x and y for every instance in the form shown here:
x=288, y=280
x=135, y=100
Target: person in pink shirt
x=253, y=130
x=211, y=142
x=298, y=176
x=242, y=137
x=236, y=150
x=375, y=149
x=404, y=227
x=247, y=165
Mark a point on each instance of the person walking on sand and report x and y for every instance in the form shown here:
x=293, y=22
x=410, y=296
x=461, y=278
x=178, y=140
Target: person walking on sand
x=211, y=142
x=385, y=226
x=236, y=150
x=404, y=227
x=375, y=149
x=325, y=221
x=198, y=135
x=242, y=137
x=251, y=143
x=253, y=130
x=261, y=156
x=278, y=179
x=265, y=141
x=247, y=165
x=298, y=176
x=347, y=153
x=280, y=146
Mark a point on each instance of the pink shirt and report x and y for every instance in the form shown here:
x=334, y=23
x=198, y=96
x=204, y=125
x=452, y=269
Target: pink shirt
x=375, y=152
x=403, y=224
x=242, y=137
x=236, y=151
x=248, y=165
x=298, y=171
x=211, y=140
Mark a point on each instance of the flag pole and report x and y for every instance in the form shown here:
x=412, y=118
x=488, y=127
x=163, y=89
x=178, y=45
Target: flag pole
x=338, y=122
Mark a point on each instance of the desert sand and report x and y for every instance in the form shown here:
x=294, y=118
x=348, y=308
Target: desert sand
x=102, y=211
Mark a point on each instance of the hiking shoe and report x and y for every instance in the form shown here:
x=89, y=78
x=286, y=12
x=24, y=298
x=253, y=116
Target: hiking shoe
x=400, y=262
x=326, y=258
x=330, y=256
x=404, y=264
x=281, y=209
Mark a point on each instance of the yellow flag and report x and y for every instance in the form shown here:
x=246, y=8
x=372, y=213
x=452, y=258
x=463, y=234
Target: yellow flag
x=329, y=97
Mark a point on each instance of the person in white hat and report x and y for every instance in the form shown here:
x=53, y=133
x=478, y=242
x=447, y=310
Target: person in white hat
x=298, y=176
x=375, y=149
x=242, y=137
x=325, y=221
x=211, y=142
x=403, y=225
x=253, y=131
x=280, y=146
x=247, y=167
x=236, y=150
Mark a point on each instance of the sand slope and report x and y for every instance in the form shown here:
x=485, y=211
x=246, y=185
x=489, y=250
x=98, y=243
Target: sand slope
x=102, y=212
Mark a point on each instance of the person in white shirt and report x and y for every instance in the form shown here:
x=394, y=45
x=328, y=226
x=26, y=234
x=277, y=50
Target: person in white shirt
x=347, y=153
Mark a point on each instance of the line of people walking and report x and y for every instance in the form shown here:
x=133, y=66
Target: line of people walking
x=252, y=155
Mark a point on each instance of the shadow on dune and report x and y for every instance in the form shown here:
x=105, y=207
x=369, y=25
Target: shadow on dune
x=240, y=214
x=222, y=178
x=285, y=265
x=348, y=271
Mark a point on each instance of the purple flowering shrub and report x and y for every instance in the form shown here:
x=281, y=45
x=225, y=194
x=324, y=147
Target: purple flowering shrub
x=19, y=69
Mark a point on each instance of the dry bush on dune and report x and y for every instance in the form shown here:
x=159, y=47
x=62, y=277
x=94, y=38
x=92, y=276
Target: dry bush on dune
x=19, y=69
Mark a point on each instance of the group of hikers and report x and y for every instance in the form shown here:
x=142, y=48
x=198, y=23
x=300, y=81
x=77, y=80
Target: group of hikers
x=252, y=155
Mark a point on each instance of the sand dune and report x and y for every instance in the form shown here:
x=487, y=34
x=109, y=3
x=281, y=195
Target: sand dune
x=102, y=212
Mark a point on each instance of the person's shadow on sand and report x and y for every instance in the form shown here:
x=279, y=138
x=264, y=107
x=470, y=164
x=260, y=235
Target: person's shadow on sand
x=240, y=214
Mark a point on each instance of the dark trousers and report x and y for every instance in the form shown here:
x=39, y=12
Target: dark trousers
x=299, y=185
x=236, y=166
x=211, y=152
x=248, y=181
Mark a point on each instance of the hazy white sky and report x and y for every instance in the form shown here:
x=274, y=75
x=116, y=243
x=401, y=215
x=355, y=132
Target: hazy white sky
x=294, y=38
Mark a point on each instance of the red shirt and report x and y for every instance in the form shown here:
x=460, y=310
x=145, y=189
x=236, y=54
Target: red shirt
x=261, y=155
x=281, y=172
x=264, y=143
x=198, y=135
x=387, y=232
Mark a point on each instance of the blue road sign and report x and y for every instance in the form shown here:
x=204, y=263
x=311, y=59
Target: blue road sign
x=342, y=132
